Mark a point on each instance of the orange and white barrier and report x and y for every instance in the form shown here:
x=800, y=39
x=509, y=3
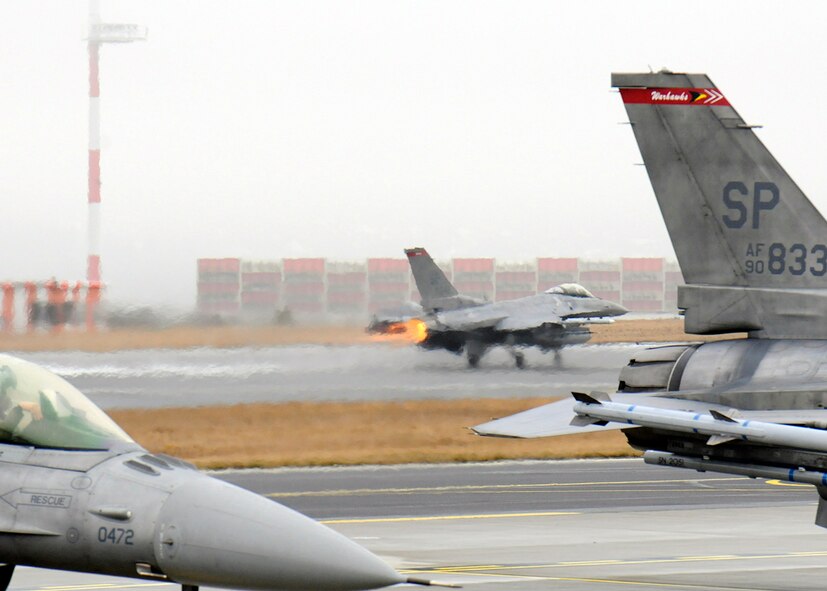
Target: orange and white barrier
x=49, y=304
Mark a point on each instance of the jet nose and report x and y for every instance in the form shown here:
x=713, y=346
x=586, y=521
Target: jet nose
x=212, y=533
x=613, y=309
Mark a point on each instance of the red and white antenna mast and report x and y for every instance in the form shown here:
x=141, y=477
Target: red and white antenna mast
x=99, y=33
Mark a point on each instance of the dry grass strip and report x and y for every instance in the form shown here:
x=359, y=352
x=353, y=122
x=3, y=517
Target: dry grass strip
x=332, y=433
x=239, y=336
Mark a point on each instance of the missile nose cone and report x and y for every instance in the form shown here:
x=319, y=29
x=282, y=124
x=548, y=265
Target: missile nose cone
x=212, y=533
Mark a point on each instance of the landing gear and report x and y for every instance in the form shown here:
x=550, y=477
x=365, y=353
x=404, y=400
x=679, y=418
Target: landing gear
x=558, y=358
x=519, y=356
x=474, y=350
x=189, y=587
x=6, y=571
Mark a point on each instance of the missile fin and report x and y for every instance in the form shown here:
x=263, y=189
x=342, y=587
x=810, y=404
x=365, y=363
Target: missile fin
x=821, y=512
x=591, y=398
x=728, y=416
x=718, y=439
x=584, y=421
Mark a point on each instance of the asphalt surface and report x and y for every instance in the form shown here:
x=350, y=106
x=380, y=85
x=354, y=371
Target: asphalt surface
x=530, y=526
x=198, y=377
x=503, y=487
x=578, y=525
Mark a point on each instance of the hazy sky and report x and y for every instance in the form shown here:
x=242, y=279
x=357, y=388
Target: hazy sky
x=267, y=129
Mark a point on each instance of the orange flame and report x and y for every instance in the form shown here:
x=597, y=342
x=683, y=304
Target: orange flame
x=410, y=331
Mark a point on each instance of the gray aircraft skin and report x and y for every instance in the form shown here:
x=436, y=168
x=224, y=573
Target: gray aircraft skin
x=457, y=323
x=753, y=252
x=78, y=494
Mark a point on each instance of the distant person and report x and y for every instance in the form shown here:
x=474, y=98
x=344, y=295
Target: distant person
x=284, y=317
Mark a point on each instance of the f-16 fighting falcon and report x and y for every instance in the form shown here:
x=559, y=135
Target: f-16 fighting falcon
x=458, y=323
x=753, y=252
x=78, y=494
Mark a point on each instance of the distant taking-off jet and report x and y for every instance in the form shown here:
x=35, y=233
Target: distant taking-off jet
x=457, y=323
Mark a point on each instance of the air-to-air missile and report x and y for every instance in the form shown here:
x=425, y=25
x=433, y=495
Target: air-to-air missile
x=597, y=408
x=79, y=494
x=720, y=426
x=803, y=476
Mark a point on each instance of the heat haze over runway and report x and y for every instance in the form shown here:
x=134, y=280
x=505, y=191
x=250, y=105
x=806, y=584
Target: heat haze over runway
x=195, y=377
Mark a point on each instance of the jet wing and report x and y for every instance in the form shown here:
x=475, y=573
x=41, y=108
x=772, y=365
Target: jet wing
x=470, y=318
x=548, y=420
x=485, y=317
x=555, y=418
x=526, y=321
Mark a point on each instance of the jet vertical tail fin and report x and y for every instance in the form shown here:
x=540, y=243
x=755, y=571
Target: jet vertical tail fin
x=431, y=281
x=751, y=246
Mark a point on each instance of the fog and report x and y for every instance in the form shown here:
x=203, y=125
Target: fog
x=346, y=130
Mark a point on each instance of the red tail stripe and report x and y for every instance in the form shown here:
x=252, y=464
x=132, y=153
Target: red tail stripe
x=706, y=97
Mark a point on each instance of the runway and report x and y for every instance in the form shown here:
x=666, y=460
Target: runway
x=576, y=525
x=197, y=377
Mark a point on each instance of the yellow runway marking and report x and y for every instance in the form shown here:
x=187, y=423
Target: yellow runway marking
x=776, y=482
x=484, y=487
x=454, y=569
x=671, y=560
x=641, y=583
x=590, y=562
x=610, y=582
x=449, y=517
x=96, y=586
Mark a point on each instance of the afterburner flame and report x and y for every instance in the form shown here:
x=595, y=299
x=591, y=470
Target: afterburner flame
x=417, y=329
x=410, y=331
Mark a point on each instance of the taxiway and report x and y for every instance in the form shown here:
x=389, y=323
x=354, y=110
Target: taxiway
x=573, y=525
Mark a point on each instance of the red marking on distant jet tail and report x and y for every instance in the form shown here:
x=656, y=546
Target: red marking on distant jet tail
x=707, y=97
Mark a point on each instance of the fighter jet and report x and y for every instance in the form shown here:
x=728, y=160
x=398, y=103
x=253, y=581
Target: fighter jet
x=550, y=320
x=76, y=493
x=753, y=252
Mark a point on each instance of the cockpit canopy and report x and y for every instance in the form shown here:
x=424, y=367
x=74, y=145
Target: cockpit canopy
x=40, y=409
x=571, y=289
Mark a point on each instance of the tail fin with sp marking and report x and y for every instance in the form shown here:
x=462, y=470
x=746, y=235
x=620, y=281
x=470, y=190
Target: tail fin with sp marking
x=751, y=246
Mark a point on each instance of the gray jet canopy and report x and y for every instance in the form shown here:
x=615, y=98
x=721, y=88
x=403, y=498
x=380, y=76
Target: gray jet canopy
x=571, y=289
x=40, y=409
